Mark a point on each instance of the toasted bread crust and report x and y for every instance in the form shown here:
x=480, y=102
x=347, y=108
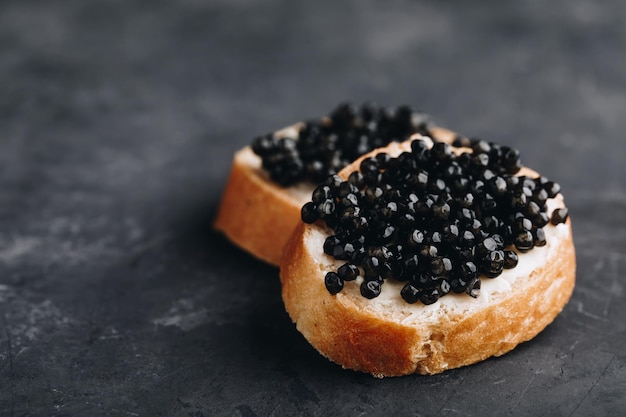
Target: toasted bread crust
x=256, y=214
x=359, y=340
x=442, y=134
x=364, y=339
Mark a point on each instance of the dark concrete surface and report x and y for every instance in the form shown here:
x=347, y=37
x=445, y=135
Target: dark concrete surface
x=118, y=120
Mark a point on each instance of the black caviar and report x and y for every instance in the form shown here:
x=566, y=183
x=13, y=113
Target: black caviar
x=431, y=218
x=323, y=147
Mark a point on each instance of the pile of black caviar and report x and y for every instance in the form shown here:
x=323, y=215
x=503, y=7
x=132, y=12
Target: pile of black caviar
x=323, y=147
x=437, y=220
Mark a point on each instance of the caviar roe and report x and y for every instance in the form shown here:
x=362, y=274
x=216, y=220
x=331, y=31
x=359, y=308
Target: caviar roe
x=323, y=147
x=431, y=218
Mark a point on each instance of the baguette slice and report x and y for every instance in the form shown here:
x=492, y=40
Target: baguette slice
x=386, y=336
x=259, y=215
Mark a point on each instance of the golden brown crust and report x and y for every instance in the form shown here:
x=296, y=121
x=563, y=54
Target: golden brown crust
x=529, y=307
x=359, y=340
x=363, y=339
x=333, y=325
x=442, y=134
x=256, y=214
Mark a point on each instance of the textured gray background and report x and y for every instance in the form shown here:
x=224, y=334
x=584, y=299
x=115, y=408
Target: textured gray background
x=118, y=121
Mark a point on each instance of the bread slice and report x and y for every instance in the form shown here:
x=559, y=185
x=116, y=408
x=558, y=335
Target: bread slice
x=255, y=213
x=386, y=336
x=259, y=215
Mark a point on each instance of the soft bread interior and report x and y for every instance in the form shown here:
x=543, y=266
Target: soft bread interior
x=300, y=193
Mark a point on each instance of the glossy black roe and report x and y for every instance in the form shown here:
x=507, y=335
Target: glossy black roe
x=493, y=264
x=309, y=212
x=429, y=295
x=333, y=282
x=510, y=259
x=370, y=289
x=524, y=241
x=432, y=219
x=552, y=188
x=539, y=237
x=323, y=147
x=348, y=272
x=473, y=288
x=559, y=215
x=461, y=142
x=410, y=293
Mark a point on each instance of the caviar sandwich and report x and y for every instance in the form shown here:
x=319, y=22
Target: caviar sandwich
x=272, y=178
x=421, y=257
